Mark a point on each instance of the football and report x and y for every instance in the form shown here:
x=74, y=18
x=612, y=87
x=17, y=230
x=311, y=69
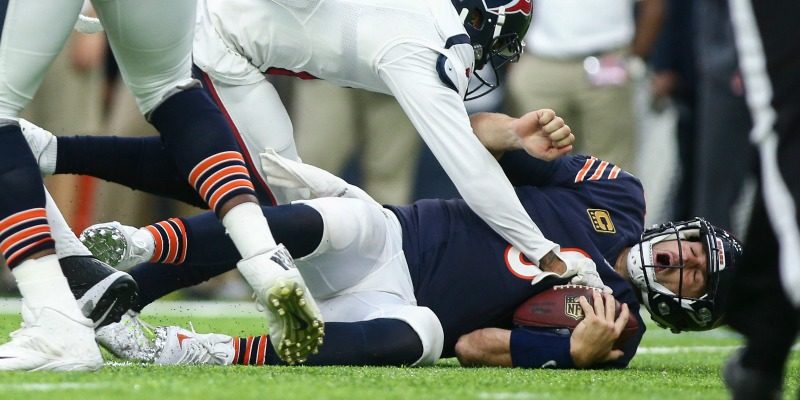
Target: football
x=558, y=307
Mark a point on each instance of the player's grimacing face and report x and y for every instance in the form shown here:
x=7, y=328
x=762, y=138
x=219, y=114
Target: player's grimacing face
x=695, y=270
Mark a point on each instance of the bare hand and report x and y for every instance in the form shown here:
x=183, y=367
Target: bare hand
x=592, y=340
x=543, y=134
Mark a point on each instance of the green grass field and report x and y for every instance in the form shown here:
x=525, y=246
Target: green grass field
x=668, y=367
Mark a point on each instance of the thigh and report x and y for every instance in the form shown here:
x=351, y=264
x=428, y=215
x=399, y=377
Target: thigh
x=535, y=83
x=325, y=124
x=259, y=121
x=390, y=149
x=361, y=250
x=606, y=115
x=152, y=42
x=33, y=33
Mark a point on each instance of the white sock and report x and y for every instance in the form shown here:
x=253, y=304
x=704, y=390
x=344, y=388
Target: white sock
x=67, y=244
x=248, y=229
x=42, y=284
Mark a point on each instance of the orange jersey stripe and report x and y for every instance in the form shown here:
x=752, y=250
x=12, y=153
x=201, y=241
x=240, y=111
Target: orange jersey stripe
x=11, y=258
x=209, y=162
x=220, y=175
x=227, y=188
x=159, y=246
x=21, y=217
x=582, y=173
x=599, y=171
x=23, y=235
x=235, y=349
x=614, y=172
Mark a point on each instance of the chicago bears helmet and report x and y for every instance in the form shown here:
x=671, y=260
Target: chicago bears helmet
x=677, y=311
x=496, y=29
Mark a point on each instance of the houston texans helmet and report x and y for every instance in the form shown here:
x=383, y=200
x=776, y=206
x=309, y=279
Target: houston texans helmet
x=496, y=29
x=677, y=311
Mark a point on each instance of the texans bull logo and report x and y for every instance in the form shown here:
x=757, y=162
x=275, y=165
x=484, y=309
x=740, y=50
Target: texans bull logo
x=513, y=6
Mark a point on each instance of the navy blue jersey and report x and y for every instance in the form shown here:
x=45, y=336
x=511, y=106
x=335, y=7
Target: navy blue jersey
x=471, y=278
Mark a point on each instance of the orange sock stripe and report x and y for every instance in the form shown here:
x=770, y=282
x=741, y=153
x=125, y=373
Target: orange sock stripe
x=262, y=350
x=599, y=171
x=210, y=162
x=247, y=350
x=23, y=235
x=220, y=175
x=12, y=258
x=184, y=240
x=171, y=245
x=235, y=349
x=21, y=217
x=227, y=188
x=159, y=243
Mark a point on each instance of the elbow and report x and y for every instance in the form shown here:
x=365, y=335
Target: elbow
x=465, y=351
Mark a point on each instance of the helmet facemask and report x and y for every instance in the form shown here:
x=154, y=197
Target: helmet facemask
x=496, y=33
x=679, y=311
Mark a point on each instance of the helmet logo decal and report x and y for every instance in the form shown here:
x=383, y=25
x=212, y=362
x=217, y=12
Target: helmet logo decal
x=720, y=253
x=601, y=220
x=514, y=6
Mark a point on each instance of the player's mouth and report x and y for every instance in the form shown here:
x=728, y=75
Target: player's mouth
x=663, y=259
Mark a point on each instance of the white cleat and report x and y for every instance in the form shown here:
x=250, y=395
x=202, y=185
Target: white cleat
x=130, y=338
x=177, y=346
x=53, y=341
x=117, y=245
x=295, y=324
x=43, y=144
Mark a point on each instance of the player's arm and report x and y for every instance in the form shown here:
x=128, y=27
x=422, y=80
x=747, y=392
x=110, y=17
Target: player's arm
x=539, y=133
x=589, y=345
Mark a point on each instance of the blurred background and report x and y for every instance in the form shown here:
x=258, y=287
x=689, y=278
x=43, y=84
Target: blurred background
x=651, y=85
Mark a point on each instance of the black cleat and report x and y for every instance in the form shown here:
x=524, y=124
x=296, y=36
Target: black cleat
x=748, y=384
x=103, y=293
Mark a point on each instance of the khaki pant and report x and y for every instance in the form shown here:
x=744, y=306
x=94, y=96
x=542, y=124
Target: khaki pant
x=601, y=117
x=332, y=123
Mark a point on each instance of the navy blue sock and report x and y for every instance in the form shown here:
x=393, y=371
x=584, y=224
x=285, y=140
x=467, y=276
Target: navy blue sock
x=377, y=342
x=200, y=142
x=139, y=163
x=210, y=252
x=23, y=220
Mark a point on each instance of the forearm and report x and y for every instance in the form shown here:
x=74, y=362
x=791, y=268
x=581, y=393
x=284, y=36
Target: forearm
x=485, y=347
x=494, y=131
x=440, y=118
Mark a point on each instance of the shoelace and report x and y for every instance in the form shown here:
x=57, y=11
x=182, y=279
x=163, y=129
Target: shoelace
x=200, y=351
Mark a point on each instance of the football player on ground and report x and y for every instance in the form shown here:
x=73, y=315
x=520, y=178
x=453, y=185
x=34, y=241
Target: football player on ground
x=152, y=41
x=423, y=52
x=409, y=284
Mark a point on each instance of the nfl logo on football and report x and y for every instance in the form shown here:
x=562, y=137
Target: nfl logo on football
x=572, y=308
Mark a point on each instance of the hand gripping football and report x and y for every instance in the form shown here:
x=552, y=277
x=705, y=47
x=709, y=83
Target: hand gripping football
x=558, y=307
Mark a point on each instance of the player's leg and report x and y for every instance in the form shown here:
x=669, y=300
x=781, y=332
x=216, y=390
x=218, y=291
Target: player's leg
x=769, y=281
x=258, y=120
x=156, y=64
x=32, y=35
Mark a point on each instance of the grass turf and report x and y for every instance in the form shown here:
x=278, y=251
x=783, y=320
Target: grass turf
x=674, y=367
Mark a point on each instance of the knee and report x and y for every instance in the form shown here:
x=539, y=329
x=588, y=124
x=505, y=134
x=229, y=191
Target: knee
x=427, y=326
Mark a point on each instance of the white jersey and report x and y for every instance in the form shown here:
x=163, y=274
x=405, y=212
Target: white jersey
x=408, y=49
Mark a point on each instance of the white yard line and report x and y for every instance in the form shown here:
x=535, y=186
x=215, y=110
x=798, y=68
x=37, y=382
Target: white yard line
x=49, y=387
x=692, y=349
x=173, y=308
